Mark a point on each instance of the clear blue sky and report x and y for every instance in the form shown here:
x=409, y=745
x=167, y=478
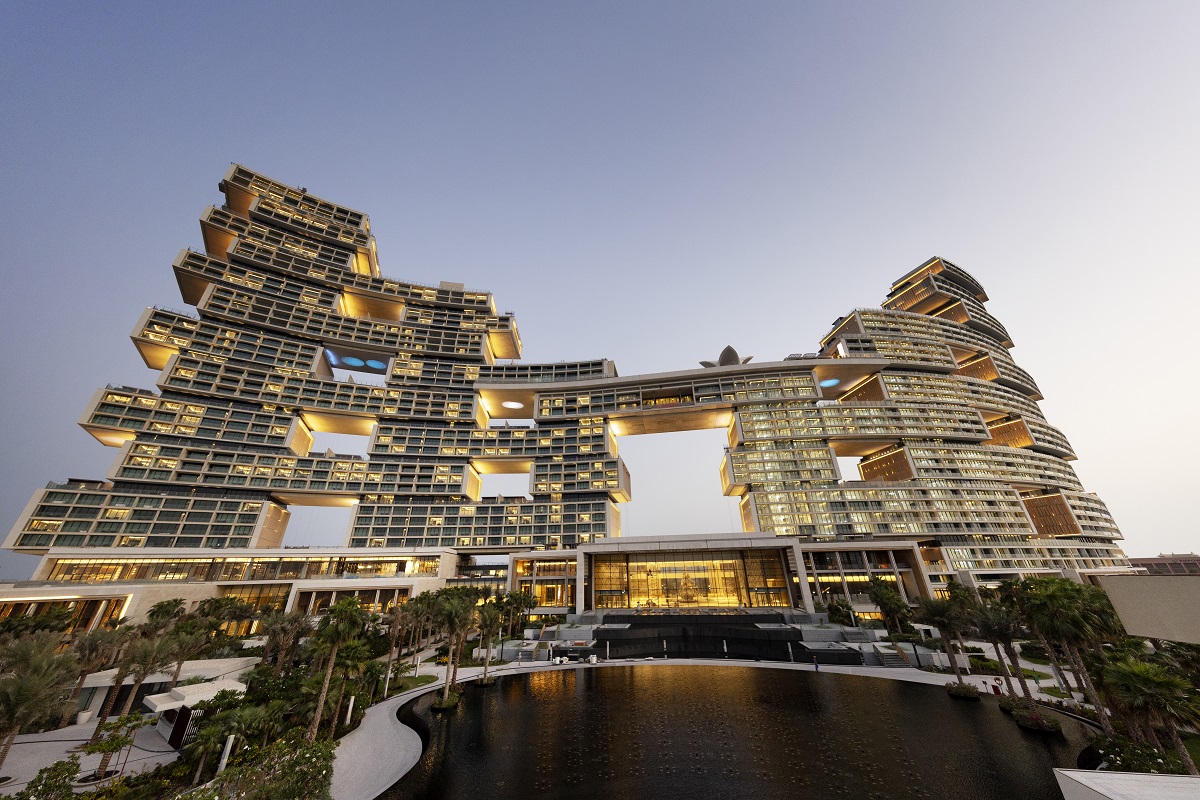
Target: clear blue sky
x=641, y=181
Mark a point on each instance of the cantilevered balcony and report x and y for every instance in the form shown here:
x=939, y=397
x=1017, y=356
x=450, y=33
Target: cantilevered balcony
x=257, y=197
x=936, y=296
x=939, y=266
x=1069, y=514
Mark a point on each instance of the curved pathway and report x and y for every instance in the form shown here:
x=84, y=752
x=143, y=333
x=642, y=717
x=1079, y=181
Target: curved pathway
x=382, y=749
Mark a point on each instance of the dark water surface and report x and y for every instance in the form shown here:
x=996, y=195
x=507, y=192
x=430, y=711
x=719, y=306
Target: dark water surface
x=726, y=732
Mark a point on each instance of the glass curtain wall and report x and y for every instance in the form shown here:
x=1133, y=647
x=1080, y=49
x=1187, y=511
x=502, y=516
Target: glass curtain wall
x=691, y=579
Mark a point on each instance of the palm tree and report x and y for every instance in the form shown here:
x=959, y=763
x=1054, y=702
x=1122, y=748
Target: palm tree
x=145, y=657
x=491, y=619
x=1068, y=613
x=949, y=619
x=247, y=722
x=523, y=603
x=274, y=713
x=423, y=608
x=122, y=640
x=344, y=621
x=1125, y=685
x=35, y=691
x=95, y=650
x=162, y=615
x=840, y=611
x=292, y=628
x=210, y=739
x=352, y=659
x=269, y=627
x=456, y=613
x=400, y=620
x=892, y=606
x=999, y=625
x=184, y=646
x=1163, y=697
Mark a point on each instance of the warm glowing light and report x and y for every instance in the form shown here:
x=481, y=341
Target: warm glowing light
x=512, y=404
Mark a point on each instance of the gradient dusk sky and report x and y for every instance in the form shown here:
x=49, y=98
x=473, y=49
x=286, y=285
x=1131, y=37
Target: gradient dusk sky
x=642, y=181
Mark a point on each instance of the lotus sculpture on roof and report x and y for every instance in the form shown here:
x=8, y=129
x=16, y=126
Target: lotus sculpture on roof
x=728, y=358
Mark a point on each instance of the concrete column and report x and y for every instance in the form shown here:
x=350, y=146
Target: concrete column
x=967, y=578
x=94, y=622
x=581, y=568
x=837, y=556
x=896, y=572
x=802, y=574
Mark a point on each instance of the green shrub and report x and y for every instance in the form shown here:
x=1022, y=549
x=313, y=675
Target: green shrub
x=1032, y=717
x=1033, y=651
x=1124, y=755
x=450, y=702
x=963, y=691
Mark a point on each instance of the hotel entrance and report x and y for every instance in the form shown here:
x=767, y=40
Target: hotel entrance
x=691, y=579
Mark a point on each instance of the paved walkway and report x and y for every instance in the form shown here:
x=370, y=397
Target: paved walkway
x=382, y=749
x=32, y=751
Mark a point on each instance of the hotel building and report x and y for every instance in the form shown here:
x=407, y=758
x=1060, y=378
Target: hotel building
x=296, y=332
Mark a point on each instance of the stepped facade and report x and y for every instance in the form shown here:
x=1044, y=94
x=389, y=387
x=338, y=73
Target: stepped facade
x=296, y=332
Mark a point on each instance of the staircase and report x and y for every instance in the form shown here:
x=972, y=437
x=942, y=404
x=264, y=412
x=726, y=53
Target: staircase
x=857, y=635
x=889, y=657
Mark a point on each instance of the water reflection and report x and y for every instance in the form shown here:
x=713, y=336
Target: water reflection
x=727, y=732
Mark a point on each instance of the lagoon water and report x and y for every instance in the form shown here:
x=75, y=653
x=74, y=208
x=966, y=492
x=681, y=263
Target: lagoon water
x=664, y=731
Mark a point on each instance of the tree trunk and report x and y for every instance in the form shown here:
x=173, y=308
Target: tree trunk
x=310, y=735
x=388, y=680
x=1135, y=729
x=1003, y=668
x=337, y=710
x=109, y=701
x=200, y=769
x=417, y=648
x=72, y=704
x=1059, y=672
x=175, y=676
x=137, y=685
x=102, y=767
x=128, y=753
x=446, y=685
x=284, y=659
x=1016, y=664
x=1180, y=748
x=948, y=646
x=487, y=660
x=8, y=743
x=457, y=658
x=1152, y=734
x=1090, y=690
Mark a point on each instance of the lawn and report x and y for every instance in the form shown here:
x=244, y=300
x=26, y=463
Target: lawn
x=410, y=682
x=989, y=666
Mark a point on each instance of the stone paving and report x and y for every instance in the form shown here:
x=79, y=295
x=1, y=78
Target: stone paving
x=32, y=751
